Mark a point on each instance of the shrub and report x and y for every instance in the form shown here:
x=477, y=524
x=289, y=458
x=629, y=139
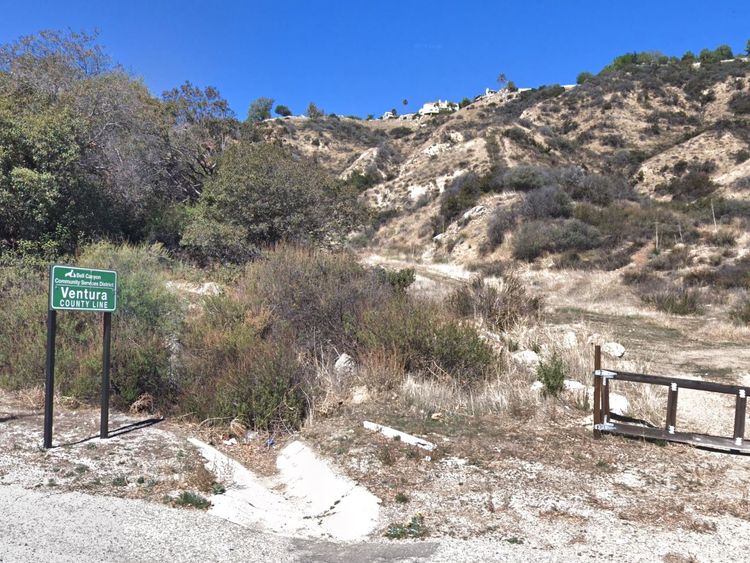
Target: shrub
x=400, y=132
x=740, y=103
x=692, y=185
x=547, y=202
x=234, y=365
x=462, y=194
x=283, y=111
x=721, y=237
x=583, y=77
x=147, y=320
x=552, y=374
x=421, y=339
x=320, y=296
x=740, y=313
x=676, y=301
x=399, y=280
x=263, y=195
x=526, y=178
x=537, y=237
x=673, y=259
x=501, y=221
x=502, y=308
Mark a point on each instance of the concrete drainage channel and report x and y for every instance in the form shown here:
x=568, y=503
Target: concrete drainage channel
x=305, y=499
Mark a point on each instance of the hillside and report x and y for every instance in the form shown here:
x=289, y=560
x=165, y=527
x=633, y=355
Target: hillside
x=652, y=134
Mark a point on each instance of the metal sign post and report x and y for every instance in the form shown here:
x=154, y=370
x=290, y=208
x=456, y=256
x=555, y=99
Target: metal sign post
x=79, y=289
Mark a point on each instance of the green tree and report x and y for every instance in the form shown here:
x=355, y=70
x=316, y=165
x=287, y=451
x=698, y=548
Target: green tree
x=463, y=103
x=747, y=48
x=263, y=194
x=283, y=111
x=583, y=77
x=259, y=109
x=511, y=86
x=313, y=111
x=724, y=52
x=688, y=57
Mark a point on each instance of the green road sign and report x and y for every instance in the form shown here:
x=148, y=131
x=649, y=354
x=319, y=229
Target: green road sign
x=82, y=289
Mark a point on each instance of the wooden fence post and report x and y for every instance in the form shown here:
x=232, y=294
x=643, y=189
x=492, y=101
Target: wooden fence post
x=597, y=390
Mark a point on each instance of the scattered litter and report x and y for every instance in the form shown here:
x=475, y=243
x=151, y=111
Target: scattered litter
x=393, y=433
x=270, y=442
x=249, y=437
x=230, y=442
x=436, y=416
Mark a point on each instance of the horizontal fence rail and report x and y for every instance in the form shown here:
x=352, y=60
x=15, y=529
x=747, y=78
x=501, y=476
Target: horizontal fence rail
x=605, y=421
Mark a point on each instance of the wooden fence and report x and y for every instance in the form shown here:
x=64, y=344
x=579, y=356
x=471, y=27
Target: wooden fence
x=605, y=421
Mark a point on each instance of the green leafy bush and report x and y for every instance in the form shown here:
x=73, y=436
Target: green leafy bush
x=421, y=339
x=552, y=373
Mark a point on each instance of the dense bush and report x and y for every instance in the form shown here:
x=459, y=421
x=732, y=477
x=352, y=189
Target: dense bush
x=740, y=103
x=263, y=195
x=693, y=185
x=502, y=308
x=422, y=339
x=144, y=326
x=549, y=202
x=501, y=221
x=537, y=237
x=526, y=178
x=675, y=301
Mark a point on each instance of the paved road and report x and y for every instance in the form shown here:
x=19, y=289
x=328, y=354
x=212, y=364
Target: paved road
x=77, y=528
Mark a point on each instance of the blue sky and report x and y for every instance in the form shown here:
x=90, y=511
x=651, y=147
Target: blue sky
x=366, y=57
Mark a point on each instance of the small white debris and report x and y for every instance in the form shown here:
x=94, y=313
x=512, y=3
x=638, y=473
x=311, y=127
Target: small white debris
x=230, y=442
x=402, y=436
x=537, y=386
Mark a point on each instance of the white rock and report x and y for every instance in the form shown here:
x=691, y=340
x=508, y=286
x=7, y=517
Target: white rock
x=613, y=349
x=618, y=404
x=537, y=386
x=360, y=395
x=571, y=385
x=526, y=358
x=477, y=211
x=569, y=340
x=344, y=364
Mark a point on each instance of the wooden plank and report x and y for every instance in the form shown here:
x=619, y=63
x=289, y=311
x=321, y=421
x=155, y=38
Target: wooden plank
x=401, y=436
x=672, y=408
x=697, y=384
x=700, y=440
